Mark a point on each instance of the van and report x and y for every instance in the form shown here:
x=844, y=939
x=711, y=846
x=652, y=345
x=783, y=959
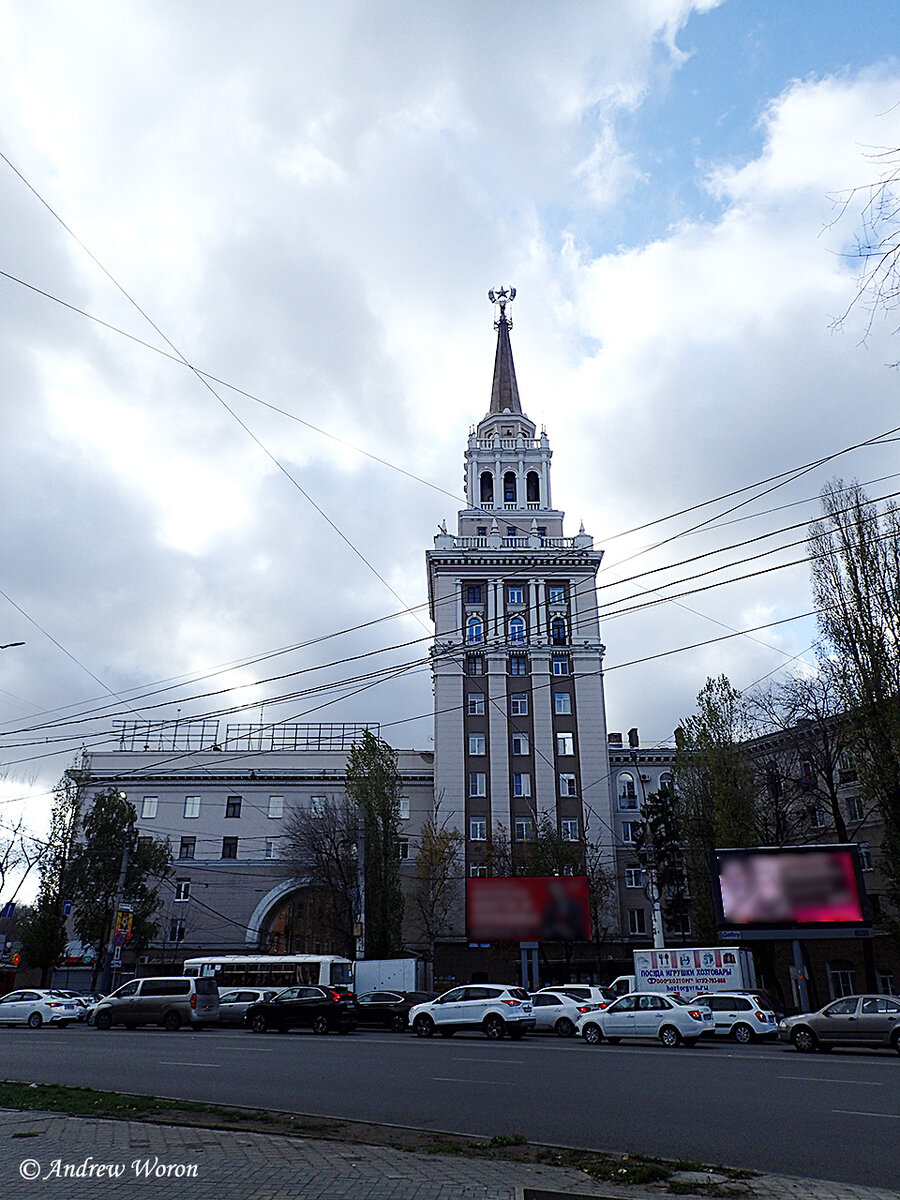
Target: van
x=170, y=1001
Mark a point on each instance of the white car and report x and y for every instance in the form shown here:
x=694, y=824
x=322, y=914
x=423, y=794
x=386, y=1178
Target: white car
x=558, y=1012
x=494, y=1009
x=740, y=1016
x=585, y=993
x=649, y=1015
x=35, y=1007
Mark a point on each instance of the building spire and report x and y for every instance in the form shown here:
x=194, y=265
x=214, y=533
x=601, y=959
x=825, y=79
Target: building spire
x=505, y=390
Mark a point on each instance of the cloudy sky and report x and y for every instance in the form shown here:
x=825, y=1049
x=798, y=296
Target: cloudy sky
x=308, y=203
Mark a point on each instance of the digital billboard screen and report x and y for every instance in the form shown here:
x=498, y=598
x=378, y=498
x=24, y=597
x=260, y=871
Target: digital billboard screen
x=788, y=887
x=528, y=909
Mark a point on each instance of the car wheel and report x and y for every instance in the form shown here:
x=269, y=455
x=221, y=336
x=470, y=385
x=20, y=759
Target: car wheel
x=592, y=1034
x=669, y=1036
x=320, y=1025
x=494, y=1027
x=103, y=1020
x=35, y=1021
x=744, y=1034
x=564, y=1027
x=423, y=1026
x=447, y=1033
x=803, y=1039
x=259, y=1024
x=171, y=1022
x=399, y=1023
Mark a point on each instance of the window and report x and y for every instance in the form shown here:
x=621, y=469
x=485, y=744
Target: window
x=233, y=806
x=518, y=704
x=474, y=630
x=560, y=664
x=556, y=595
x=477, y=783
x=475, y=704
x=521, y=785
x=865, y=856
x=568, y=785
x=562, y=703
x=403, y=810
x=182, y=890
x=191, y=806
x=317, y=805
x=807, y=773
x=176, y=929
x=568, y=829
x=515, y=594
x=518, y=664
x=524, y=829
x=187, y=848
x=474, y=664
x=532, y=488
x=403, y=848
x=481, y=531
x=565, y=743
x=487, y=487
x=629, y=829
x=473, y=593
x=841, y=980
x=148, y=807
x=276, y=806
x=478, y=871
x=517, y=629
x=665, y=784
x=637, y=921
x=818, y=817
x=520, y=743
x=509, y=488
x=627, y=794
x=269, y=850
x=144, y=841
x=477, y=829
x=847, y=768
x=510, y=531
x=229, y=847
x=476, y=743
x=558, y=635
x=855, y=809
x=634, y=877
x=886, y=983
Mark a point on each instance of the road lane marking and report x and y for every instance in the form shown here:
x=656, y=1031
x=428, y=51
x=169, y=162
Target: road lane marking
x=178, y=1063
x=823, y=1079
x=503, y=1061
x=855, y=1112
x=480, y=1082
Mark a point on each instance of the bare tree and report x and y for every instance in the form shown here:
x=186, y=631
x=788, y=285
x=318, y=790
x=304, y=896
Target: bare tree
x=321, y=846
x=436, y=891
x=19, y=855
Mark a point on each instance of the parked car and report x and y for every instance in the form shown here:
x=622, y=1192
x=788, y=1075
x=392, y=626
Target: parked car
x=558, y=1012
x=492, y=1008
x=740, y=1015
x=648, y=1014
x=82, y=1003
x=233, y=1004
x=586, y=993
x=35, y=1007
x=321, y=1009
x=389, y=1009
x=870, y=1020
x=170, y=1001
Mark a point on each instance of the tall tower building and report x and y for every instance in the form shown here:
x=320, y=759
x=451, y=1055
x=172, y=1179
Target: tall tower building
x=520, y=719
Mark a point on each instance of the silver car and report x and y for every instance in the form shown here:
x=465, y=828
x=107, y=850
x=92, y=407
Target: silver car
x=558, y=1012
x=235, y=1002
x=871, y=1020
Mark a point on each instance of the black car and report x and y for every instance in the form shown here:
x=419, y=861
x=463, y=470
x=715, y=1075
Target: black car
x=321, y=1009
x=389, y=1009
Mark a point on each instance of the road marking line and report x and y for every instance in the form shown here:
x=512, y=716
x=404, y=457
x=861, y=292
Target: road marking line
x=822, y=1079
x=178, y=1063
x=503, y=1061
x=854, y=1112
x=481, y=1082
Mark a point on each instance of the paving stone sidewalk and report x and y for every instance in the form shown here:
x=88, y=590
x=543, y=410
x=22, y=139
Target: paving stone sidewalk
x=210, y=1164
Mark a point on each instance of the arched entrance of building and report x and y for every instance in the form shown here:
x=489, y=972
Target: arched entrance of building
x=295, y=918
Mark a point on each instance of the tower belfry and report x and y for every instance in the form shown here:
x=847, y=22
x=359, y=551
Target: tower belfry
x=520, y=721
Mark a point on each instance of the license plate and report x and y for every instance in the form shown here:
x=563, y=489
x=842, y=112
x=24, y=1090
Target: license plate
x=526, y=1008
x=707, y=1016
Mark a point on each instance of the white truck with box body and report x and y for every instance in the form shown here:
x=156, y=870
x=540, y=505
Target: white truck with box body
x=388, y=975
x=689, y=970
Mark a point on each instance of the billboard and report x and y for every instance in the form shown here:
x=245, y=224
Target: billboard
x=528, y=909
x=788, y=887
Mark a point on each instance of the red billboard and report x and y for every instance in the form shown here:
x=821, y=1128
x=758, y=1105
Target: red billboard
x=553, y=908
x=788, y=887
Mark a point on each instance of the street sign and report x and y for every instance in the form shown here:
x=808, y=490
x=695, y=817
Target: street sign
x=8, y=911
x=117, y=957
x=120, y=938
x=124, y=922
x=67, y=907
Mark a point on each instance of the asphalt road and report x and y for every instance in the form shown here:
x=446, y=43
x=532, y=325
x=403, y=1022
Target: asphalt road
x=834, y=1116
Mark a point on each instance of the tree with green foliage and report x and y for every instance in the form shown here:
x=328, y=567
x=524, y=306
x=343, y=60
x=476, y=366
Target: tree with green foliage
x=855, y=567
x=373, y=783
x=714, y=790
x=44, y=937
x=107, y=827
x=658, y=846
